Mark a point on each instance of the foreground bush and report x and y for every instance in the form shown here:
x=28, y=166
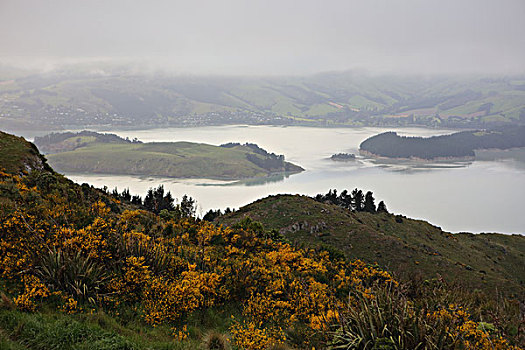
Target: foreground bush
x=389, y=320
x=79, y=251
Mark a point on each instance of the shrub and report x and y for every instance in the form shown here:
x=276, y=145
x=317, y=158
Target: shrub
x=389, y=320
x=76, y=275
x=140, y=245
x=216, y=341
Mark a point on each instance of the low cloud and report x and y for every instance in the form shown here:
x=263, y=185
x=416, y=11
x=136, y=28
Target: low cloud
x=269, y=37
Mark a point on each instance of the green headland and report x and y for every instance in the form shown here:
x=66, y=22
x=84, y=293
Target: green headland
x=90, y=152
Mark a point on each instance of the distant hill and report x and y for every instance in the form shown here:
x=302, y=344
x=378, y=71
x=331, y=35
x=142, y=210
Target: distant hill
x=457, y=145
x=70, y=141
x=119, y=98
x=405, y=246
x=89, y=152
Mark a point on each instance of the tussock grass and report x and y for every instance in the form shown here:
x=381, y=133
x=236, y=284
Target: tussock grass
x=216, y=341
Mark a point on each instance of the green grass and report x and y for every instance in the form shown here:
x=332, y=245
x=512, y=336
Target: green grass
x=321, y=109
x=17, y=155
x=408, y=248
x=52, y=330
x=362, y=102
x=97, y=330
x=178, y=160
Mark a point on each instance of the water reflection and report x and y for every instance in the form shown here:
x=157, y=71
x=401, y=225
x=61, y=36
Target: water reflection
x=452, y=195
x=258, y=181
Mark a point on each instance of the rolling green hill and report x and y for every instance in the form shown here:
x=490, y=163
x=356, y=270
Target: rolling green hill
x=406, y=246
x=119, y=98
x=89, y=152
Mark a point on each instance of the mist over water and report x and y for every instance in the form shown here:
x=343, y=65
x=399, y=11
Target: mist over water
x=480, y=196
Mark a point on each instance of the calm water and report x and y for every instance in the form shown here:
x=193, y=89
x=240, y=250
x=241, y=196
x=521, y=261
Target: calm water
x=482, y=196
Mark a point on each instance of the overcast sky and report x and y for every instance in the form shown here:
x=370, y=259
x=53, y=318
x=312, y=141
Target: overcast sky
x=271, y=36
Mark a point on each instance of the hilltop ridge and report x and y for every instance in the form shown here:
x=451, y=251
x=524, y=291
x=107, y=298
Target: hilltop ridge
x=405, y=246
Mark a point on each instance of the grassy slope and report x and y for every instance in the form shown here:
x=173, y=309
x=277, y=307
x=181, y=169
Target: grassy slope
x=178, y=159
x=17, y=155
x=51, y=329
x=408, y=248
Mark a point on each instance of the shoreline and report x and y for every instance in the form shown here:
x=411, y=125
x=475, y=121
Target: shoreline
x=148, y=176
x=113, y=128
x=439, y=159
x=417, y=159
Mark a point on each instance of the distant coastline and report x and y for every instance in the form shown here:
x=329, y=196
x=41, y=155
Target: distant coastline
x=416, y=159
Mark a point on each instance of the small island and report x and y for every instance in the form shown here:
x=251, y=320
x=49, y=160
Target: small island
x=91, y=152
x=343, y=157
x=457, y=146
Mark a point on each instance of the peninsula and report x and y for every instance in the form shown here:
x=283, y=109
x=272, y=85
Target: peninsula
x=459, y=145
x=91, y=152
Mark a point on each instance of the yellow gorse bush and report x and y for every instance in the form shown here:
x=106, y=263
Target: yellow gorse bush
x=466, y=333
x=166, y=269
x=180, y=334
x=252, y=336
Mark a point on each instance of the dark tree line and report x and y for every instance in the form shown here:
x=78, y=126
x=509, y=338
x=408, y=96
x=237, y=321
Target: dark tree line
x=213, y=214
x=343, y=156
x=160, y=202
x=254, y=147
x=354, y=201
x=270, y=163
x=262, y=158
x=461, y=144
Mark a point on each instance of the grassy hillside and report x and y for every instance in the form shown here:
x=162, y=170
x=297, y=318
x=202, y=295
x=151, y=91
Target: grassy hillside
x=406, y=246
x=338, y=98
x=17, y=155
x=84, y=269
x=90, y=153
x=46, y=202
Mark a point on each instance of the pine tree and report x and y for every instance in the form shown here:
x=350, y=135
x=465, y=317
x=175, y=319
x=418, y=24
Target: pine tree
x=136, y=199
x=381, y=207
x=125, y=195
x=211, y=215
x=345, y=199
x=357, y=200
x=369, y=205
x=156, y=200
x=187, y=207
